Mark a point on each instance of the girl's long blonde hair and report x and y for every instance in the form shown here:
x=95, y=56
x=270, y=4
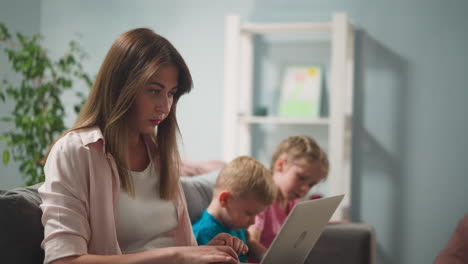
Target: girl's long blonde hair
x=300, y=150
x=135, y=56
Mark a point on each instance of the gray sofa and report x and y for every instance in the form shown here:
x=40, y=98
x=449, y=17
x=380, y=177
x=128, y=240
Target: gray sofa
x=22, y=231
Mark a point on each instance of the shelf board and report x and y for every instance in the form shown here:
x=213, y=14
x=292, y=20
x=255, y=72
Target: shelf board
x=283, y=120
x=258, y=28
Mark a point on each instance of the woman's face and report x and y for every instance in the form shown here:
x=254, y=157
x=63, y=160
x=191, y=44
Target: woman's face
x=153, y=102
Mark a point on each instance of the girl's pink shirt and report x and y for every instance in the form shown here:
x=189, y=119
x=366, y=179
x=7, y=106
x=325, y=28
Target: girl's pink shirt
x=79, y=199
x=269, y=221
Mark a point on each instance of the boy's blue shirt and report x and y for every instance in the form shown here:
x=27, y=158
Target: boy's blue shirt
x=207, y=227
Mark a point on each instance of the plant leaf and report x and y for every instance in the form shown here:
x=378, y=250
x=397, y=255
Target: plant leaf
x=6, y=157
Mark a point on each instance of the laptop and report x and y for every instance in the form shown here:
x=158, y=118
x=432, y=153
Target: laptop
x=301, y=230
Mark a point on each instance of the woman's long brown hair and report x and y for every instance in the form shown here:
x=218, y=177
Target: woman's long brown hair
x=135, y=56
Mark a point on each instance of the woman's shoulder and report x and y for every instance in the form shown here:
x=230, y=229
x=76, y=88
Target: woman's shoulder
x=80, y=140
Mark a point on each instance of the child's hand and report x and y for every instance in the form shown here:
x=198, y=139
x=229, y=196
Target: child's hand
x=224, y=239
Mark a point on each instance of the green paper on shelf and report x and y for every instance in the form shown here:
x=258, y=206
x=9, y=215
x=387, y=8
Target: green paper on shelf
x=301, y=92
x=298, y=108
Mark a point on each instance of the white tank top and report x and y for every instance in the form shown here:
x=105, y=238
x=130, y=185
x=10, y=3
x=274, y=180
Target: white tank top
x=144, y=222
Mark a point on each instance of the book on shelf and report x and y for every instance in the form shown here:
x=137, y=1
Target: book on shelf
x=301, y=92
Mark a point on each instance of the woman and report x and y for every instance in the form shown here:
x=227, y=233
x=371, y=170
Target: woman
x=112, y=191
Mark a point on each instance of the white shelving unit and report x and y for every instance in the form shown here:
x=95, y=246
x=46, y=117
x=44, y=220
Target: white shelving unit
x=238, y=95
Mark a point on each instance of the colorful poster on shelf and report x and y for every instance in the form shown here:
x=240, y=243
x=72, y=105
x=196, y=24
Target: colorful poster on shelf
x=301, y=92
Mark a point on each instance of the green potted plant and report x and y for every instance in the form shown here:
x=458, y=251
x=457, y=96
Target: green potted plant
x=35, y=91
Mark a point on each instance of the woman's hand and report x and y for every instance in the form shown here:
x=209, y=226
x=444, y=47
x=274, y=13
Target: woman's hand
x=169, y=255
x=224, y=239
x=205, y=255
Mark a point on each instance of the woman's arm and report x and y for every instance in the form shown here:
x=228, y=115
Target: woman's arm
x=65, y=200
x=256, y=249
x=170, y=255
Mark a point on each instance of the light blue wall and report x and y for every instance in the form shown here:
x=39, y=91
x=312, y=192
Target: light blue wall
x=409, y=163
x=19, y=16
x=410, y=146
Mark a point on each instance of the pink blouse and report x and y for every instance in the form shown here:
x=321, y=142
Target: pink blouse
x=79, y=199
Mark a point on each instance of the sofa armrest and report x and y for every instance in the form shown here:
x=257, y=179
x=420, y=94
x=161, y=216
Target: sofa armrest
x=22, y=230
x=351, y=243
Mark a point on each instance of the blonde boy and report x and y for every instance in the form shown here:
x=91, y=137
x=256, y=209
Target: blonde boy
x=243, y=189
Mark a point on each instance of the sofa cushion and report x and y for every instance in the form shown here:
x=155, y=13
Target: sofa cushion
x=351, y=243
x=194, y=168
x=22, y=231
x=198, y=191
x=456, y=250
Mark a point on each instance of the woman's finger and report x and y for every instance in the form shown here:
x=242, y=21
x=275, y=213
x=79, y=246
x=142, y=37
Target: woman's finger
x=229, y=251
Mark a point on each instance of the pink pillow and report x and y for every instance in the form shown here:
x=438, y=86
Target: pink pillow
x=192, y=168
x=456, y=251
